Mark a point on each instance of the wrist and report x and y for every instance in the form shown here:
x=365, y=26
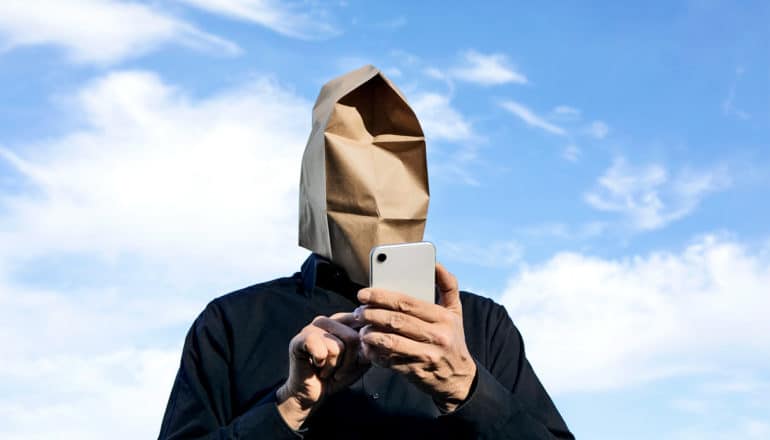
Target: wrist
x=293, y=410
x=451, y=401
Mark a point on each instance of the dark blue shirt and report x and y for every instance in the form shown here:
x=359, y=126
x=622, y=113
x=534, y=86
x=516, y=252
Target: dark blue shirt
x=235, y=356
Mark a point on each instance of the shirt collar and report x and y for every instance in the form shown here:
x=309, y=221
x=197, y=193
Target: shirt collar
x=319, y=272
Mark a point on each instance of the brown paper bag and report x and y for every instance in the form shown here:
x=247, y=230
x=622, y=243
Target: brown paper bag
x=364, y=176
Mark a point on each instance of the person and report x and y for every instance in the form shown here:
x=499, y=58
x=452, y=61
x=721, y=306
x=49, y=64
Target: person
x=319, y=356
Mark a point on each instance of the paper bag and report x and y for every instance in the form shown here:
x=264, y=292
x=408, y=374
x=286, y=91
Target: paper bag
x=364, y=176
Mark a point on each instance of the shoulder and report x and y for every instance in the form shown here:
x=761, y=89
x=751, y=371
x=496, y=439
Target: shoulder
x=488, y=327
x=248, y=303
x=477, y=307
x=280, y=287
x=488, y=319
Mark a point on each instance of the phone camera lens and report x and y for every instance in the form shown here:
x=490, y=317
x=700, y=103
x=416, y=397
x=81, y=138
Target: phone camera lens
x=381, y=258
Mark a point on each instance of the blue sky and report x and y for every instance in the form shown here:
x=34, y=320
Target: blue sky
x=600, y=170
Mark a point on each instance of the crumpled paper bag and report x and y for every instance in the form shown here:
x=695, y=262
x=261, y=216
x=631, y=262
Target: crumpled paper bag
x=364, y=176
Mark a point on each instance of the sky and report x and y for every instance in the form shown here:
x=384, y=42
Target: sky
x=602, y=170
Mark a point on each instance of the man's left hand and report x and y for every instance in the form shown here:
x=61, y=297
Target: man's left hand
x=421, y=340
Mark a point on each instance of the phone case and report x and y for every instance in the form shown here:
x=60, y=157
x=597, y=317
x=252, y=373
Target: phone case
x=408, y=268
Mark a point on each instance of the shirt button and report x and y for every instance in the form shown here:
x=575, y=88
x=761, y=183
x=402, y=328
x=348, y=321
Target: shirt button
x=374, y=396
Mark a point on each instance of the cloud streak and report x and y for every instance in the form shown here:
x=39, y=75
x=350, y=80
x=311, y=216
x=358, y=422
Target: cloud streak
x=92, y=31
x=531, y=118
x=292, y=19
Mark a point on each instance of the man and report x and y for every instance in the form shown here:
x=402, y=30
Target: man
x=318, y=356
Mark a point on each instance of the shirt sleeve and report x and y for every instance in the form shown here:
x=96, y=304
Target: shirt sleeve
x=200, y=403
x=507, y=400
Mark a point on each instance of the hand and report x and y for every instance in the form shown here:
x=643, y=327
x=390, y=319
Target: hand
x=421, y=340
x=324, y=357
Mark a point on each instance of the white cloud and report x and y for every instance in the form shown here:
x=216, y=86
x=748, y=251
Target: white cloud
x=439, y=119
x=623, y=322
x=119, y=394
x=648, y=196
x=598, y=129
x=179, y=200
x=406, y=58
x=442, y=124
x=435, y=73
x=728, y=104
x=571, y=153
x=99, y=31
x=566, y=112
x=153, y=173
x=393, y=72
x=487, y=70
x=531, y=118
x=300, y=20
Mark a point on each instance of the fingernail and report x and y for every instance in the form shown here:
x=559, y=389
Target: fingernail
x=357, y=313
x=363, y=295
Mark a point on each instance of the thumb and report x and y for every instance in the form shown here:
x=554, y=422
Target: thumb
x=449, y=293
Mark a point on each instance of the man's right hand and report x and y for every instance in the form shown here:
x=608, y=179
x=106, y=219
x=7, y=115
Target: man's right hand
x=323, y=358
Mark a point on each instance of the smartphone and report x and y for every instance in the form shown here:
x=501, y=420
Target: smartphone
x=408, y=268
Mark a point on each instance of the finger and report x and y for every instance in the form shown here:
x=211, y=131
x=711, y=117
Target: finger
x=401, y=303
x=334, y=350
x=449, y=292
x=314, y=349
x=389, y=347
x=346, y=318
x=348, y=337
x=399, y=323
x=337, y=328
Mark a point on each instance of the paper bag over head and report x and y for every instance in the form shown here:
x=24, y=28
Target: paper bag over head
x=364, y=178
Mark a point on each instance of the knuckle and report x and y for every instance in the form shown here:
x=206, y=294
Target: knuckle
x=441, y=339
x=432, y=357
x=386, y=341
x=404, y=305
x=396, y=321
x=419, y=373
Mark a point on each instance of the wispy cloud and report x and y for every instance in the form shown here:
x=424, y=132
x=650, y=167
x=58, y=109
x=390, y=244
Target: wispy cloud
x=571, y=153
x=623, y=322
x=648, y=196
x=486, y=69
x=301, y=20
x=531, y=118
x=101, y=32
x=728, y=105
x=566, y=112
x=598, y=129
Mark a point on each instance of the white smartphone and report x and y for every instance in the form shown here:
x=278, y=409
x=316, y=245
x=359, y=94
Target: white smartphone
x=408, y=268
